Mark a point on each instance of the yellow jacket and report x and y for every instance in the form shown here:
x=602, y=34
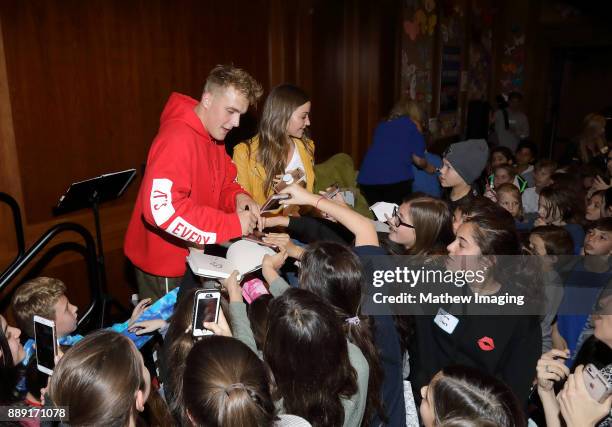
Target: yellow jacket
x=251, y=174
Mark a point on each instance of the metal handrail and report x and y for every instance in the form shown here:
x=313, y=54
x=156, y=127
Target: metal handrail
x=89, y=253
x=12, y=203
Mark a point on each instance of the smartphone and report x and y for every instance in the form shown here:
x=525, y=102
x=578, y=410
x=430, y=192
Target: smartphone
x=334, y=189
x=256, y=237
x=205, y=309
x=597, y=385
x=46, y=344
x=292, y=177
x=273, y=202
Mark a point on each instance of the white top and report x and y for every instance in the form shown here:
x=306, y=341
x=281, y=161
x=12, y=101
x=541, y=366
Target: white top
x=291, y=421
x=530, y=200
x=296, y=160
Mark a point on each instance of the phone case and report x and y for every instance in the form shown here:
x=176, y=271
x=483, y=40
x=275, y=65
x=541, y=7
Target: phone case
x=296, y=175
x=257, y=238
x=253, y=289
x=331, y=193
x=51, y=324
x=273, y=203
x=597, y=385
x=200, y=331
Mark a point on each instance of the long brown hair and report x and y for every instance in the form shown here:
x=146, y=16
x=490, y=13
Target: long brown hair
x=9, y=373
x=274, y=142
x=307, y=352
x=434, y=225
x=98, y=379
x=476, y=396
x=433, y=228
x=495, y=233
x=563, y=201
x=557, y=240
x=227, y=385
x=177, y=345
x=333, y=272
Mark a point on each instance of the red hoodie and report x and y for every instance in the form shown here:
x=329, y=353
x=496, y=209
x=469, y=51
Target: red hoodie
x=187, y=196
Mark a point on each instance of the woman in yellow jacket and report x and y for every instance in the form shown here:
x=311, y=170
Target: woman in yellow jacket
x=280, y=146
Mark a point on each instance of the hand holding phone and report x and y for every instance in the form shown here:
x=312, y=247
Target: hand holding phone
x=46, y=344
x=205, y=309
x=332, y=191
x=220, y=328
x=578, y=404
x=596, y=384
x=292, y=177
x=273, y=202
x=257, y=237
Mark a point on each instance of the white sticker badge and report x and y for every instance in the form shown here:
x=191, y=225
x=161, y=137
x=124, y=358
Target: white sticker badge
x=446, y=321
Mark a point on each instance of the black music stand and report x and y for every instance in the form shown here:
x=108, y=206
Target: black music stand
x=90, y=194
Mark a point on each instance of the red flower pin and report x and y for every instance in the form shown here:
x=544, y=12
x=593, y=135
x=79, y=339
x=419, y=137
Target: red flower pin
x=486, y=344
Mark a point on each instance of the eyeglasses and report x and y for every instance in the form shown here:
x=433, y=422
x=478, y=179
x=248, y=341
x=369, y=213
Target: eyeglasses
x=398, y=221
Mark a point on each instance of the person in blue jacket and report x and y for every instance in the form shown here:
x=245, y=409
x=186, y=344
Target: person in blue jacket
x=386, y=171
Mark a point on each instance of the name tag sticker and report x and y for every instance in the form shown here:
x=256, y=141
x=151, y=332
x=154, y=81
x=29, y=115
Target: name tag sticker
x=446, y=321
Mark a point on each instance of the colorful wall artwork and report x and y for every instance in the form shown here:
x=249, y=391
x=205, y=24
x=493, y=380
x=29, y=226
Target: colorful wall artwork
x=464, y=55
x=420, y=24
x=481, y=45
x=513, y=61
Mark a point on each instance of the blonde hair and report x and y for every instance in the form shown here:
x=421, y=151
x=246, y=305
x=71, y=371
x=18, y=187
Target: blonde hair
x=36, y=297
x=509, y=188
x=510, y=169
x=591, y=137
x=224, y=76
x=407, y=107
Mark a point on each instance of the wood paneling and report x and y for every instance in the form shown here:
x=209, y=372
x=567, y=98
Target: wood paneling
x=88, y=79
x=82, y=85
x=356, y=76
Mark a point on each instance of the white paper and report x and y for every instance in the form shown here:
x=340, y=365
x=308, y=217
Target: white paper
x=382, y=208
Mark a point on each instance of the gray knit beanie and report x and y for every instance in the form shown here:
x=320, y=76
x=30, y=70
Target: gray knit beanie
x=468, y=158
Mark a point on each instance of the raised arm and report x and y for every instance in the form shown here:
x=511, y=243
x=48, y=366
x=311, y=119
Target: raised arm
x=360, y=226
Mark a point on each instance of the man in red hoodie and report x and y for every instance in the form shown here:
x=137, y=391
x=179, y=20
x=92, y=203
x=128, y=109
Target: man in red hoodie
x=189, y=195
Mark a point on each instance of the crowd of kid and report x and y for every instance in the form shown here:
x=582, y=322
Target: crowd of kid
x=310, y=355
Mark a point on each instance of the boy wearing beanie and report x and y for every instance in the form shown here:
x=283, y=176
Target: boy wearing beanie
x=463, y=163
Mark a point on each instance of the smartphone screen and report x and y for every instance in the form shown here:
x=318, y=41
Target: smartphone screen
x=206, y=310
x=45, y=351
x=273, y=202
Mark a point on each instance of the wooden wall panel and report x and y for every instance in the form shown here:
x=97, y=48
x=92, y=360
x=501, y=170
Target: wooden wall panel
x=89, y=79
x=356, y=72
x=82, y=85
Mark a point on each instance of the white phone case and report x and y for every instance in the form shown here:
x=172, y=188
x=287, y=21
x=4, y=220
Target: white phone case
x=51, y=324
x=201, y=296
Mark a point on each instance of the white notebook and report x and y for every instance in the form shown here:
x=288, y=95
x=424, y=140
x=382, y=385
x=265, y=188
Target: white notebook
x=242, y=255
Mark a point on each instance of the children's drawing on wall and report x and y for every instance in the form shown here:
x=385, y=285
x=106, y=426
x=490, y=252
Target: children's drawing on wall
x=426, y=23
x=423, y=21
x=481, y=42
x=419, y=26
x=450, y=78
x=513, y=61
